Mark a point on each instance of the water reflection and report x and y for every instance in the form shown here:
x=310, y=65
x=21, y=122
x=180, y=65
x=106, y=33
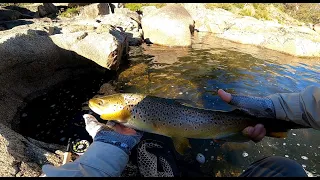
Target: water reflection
x=197, y=73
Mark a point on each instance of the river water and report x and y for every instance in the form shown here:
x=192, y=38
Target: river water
x=211, y=63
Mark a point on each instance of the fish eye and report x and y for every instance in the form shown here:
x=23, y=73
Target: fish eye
x=100, y=102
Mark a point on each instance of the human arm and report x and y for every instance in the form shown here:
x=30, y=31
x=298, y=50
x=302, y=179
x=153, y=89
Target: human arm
x=301, y=108
x=107, y=156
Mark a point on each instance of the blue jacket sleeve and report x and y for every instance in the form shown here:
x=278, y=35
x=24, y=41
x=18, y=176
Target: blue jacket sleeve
x=100, y=160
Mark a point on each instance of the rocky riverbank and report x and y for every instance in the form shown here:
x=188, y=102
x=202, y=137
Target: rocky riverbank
x=39, y=52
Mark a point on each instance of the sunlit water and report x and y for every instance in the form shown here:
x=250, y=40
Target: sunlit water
x=197, y=73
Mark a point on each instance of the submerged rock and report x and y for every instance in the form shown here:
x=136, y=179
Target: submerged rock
x=132, y=72
x=171, y=25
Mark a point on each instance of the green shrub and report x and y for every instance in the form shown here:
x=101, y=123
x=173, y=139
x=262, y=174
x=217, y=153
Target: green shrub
x=133, y=6
x=70, y=12
x=138, y=6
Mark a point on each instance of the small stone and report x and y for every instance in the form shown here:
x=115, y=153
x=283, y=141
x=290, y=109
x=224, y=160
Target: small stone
x=62, y=139
x=304, y=157
x=286, y=156
x=245, y=154
x=180, y=93
x=294, y=134
x=200, y=158
x=24, y=115
x=284, y=144
x=205, y=149
x=298, y=144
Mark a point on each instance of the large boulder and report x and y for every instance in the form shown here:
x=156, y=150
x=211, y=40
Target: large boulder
x=94, y=10
x=170, y=25
x=47, y=9
x=127, y=12
x=107, y=46
x=128, y=21
x=206, y=20
x=148, y=9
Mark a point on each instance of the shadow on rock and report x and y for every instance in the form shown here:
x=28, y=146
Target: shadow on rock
x=11, y=24
x=22, y=10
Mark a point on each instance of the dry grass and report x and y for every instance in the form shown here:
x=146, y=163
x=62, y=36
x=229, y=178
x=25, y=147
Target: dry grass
x=138, y=6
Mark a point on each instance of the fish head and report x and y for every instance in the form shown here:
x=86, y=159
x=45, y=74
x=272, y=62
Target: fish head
x=115, y=107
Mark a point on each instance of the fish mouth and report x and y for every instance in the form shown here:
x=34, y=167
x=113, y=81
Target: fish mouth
x=93, y=107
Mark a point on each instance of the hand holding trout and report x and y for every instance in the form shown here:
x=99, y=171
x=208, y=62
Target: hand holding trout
x=257, y=132
x=175, y=119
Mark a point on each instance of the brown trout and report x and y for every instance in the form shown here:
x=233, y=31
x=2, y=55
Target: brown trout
x=180, y=121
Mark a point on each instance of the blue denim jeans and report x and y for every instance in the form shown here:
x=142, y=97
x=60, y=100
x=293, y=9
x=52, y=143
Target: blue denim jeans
x=274, y=166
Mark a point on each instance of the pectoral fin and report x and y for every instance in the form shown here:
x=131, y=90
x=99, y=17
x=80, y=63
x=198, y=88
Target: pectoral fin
x=120, y=116
x=181, y=144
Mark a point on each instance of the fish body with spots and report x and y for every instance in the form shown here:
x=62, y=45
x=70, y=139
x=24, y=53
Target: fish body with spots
x=178, y=120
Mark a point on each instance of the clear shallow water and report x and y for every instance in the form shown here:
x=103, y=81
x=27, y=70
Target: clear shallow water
x=197, y=73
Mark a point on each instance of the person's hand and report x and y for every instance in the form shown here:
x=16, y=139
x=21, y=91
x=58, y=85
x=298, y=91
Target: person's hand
x=259, y=107
x=93, y=126
x=112, y=133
